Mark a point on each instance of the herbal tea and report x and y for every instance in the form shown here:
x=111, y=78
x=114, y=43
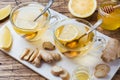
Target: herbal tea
x=23, y=20
x=65, y=36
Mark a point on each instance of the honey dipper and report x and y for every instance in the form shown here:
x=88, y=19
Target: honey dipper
x=108, y=9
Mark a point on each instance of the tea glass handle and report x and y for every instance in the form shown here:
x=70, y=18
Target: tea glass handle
x=98, y=45
x=54, y=19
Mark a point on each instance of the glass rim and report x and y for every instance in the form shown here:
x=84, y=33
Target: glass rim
x=25, y=4
x=81, y=21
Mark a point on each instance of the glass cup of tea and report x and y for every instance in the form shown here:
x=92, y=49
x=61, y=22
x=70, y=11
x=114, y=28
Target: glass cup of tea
x=66, y=37
x=82, y=73
x=111, y=21
x=22, y=18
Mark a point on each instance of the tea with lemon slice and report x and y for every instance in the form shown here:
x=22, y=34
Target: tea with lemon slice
x=23, y=17
x=69, y=32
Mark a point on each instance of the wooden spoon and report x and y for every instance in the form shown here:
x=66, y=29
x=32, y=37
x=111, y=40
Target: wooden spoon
x=108, y=9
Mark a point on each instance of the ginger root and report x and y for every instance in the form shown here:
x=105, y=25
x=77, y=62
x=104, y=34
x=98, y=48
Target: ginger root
x=46, y=57
x=50, y=57
x=36, y=56
x=112, y=51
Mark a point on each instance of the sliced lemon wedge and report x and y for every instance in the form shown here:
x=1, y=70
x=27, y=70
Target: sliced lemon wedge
x=82, y=8
x=5, y=38
x=67, y=33
x=4, y=12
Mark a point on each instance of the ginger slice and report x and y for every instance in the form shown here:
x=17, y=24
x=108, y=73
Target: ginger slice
x=27, y=57
x=60, y=72
x=103, y=66
x=25, y=53
x=101, y=70
x=64, y=75
x=56, y=70
x=33, y=56
x=100, y=73
x=37, y=60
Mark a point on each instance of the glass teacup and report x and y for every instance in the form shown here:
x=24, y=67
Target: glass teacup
x=82, y=73
x=69, y=30
x=22, y=18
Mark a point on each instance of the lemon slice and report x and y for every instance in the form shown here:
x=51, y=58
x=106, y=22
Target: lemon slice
x=67, y=33
x=82, y=8
x=25, y=24
x=5, y=38
x=4, y=12
x=24, y=17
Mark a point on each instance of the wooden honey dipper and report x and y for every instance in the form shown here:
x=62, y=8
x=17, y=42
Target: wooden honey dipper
x=110, y=8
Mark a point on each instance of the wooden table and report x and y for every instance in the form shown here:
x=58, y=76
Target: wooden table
x=10, y=69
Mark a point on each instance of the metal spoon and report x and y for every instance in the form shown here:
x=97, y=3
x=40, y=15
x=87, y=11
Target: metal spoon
x=46, y=8
x=76, y=41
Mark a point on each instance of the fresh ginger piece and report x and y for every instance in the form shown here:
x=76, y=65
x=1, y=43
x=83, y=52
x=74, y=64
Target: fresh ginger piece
x=56, y=70
x=64, y=75
x=101, y=70
x=25, y=53
x=48, y=46
x=47, y=57
x=112, y=51
x=37, y=60
x=33, y=56
x=56, y=56
x=60, y=72
x=27, y=57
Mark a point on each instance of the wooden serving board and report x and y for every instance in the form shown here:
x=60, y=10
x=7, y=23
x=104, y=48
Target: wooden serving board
x=91, y=59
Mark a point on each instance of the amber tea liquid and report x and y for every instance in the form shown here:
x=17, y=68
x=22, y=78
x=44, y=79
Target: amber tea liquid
x=24, y=25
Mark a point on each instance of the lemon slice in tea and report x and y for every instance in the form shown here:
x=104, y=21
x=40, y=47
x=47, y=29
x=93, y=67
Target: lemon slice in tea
x=24, y=17
x=67, y=33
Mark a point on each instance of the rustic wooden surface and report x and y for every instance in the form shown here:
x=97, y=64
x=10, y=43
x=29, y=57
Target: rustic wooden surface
x=10, y=69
